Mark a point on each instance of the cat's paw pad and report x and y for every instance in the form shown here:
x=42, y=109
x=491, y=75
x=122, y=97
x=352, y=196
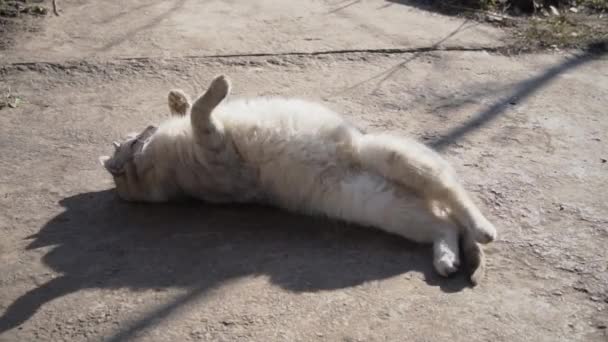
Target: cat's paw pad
x=219, y=88
x=446, y=265
x=179, y=103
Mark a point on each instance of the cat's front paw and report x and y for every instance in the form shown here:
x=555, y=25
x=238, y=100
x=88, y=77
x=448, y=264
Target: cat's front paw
x=178, y=101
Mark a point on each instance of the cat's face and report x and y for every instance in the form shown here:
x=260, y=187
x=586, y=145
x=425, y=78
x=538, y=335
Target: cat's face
x=125, y=152
x=126, y=168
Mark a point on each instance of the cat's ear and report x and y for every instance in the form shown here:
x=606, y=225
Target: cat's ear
x=147, y=133
x=179, y=102
x=144, y=161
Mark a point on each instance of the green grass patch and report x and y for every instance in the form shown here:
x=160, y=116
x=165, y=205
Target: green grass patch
x=14, y=8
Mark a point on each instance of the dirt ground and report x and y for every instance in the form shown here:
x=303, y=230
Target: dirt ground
x=527, y=134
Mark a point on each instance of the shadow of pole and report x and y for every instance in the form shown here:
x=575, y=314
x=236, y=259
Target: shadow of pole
x=388, y=73
x=27, y=305
x=340, y=8
x=524, y=90
x=159, y=314
x=151, y=23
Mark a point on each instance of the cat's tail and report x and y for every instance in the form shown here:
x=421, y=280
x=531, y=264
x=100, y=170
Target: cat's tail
x=472, y=256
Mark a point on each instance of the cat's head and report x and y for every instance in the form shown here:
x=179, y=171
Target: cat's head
x=128, y=161
x=125, y=152
x=128, y=165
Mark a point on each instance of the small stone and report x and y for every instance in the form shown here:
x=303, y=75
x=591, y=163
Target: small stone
x=273, y=61
x=603, y=160
x=227, y=322
x=554, y=10
x=573, y=9
x=14, y=103
x=494, y=18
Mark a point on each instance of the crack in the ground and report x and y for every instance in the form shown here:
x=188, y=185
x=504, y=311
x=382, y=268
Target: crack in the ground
x=127, y=66
x=389, y=51
x=385, y=51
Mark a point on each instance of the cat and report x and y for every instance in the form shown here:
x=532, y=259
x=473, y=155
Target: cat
x=302, y=157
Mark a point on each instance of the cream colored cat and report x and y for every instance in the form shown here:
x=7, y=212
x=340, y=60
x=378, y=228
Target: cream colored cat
x=302, y=157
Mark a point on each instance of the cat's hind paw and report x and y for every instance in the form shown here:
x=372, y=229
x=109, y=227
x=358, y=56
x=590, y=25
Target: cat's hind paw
x=446, y=265
x=219, y=88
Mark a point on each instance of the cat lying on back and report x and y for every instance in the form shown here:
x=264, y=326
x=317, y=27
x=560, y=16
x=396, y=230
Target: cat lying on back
x=302, y=157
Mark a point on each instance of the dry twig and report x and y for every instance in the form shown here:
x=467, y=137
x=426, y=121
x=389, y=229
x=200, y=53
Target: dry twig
x=55, y=9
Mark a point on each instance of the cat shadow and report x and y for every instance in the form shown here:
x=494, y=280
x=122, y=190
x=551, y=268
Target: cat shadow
x=102, y=242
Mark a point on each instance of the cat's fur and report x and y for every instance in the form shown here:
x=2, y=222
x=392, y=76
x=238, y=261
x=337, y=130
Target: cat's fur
x=302, y=157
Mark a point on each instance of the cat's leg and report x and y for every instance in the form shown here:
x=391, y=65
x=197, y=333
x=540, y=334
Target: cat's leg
x=207, y=129
x=446, y=257
x=420, y=168
x=473, y=258
x=370, y=199
x=179, y=102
